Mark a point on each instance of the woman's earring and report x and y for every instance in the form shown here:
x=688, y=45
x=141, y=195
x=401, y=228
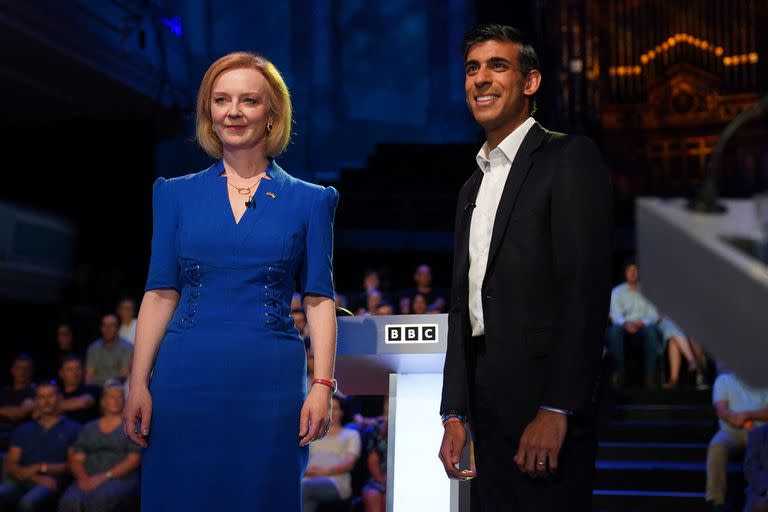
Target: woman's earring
x=269, y=126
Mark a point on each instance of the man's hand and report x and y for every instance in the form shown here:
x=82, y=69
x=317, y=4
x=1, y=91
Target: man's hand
x=46, y=481
x=27, y=473
x=541, y=442
x=630, y=327
x=737, y=419
x=454, y=440
x=89, y=483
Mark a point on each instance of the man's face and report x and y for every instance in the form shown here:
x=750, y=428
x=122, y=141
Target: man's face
x=631, y=274
x=109, y=327
x=21, y=371
x=371, y=281
x=64, y=337
x=46, y=400
x=71, y=373
x=494, y=85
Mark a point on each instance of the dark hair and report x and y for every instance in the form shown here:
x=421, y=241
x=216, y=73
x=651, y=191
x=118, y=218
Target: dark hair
x=48, y=383
x=527, y=57
x=70, y=357
x=23, y=356
x=628, y=263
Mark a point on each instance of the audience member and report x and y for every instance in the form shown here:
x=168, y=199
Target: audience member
x=104, y=462
x=108, y=357
x=678, y=343
x=36, y=462
x=126, y=311
x=422, y=277
x=16, y=400
x=419, y=304
x=371, y=286
x=79, y=400
x=633, y=318
x=375, y=491
x=383, y=308
x=65, y=346
x=756, y=470
x=331, y=460
x=736, y=404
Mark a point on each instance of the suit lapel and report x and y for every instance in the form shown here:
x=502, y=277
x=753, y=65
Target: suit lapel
x=517, y=174
x=462, y=256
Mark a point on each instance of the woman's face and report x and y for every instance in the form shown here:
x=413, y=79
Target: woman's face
x=419, y=305
x=126, y=311
x=112, y=401
x=240, y=108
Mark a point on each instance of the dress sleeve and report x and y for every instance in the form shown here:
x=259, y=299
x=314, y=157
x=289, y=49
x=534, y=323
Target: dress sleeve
x=317, y=269
x=163, y=263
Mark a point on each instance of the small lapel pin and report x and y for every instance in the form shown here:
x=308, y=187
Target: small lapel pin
x=270, y=194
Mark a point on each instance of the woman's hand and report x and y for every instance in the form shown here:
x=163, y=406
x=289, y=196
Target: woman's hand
x=315, y=415
x=137, y=415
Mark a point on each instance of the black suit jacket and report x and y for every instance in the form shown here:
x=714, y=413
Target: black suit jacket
x=546, y=290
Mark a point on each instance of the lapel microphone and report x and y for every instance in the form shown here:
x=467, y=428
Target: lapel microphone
x=250, y=203
x=469, y=206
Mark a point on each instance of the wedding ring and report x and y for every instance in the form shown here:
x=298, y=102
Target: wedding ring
x=540, y=463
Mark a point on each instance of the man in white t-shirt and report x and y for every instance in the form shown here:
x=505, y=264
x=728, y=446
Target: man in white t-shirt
x=739, y=408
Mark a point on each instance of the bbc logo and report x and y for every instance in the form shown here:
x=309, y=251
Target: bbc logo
x=420, y=333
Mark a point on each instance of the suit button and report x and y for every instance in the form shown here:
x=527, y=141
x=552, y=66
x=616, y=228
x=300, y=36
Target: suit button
x=488, y=296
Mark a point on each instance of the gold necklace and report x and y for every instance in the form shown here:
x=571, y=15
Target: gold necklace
x=244, y=191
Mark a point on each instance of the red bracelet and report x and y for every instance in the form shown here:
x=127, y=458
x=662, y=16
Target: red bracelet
x=325, y=382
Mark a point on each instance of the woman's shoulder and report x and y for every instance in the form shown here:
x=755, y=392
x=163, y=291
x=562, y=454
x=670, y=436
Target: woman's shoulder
x=308, y=190
x=176, y=183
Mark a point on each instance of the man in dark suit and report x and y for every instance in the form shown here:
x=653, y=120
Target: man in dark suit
x=530, y=296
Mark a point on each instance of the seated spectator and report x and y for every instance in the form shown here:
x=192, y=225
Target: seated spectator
x=422, y=278
x=361, y=302
x=36, y=463
x=79, y=400
x=678, y=343
x=126, y=311
x=331, y=460
x=65, y=346
x=633, y=318
x=737, y=406
x=16, y=400
x=375, y=491
x=756, y=470
x=104, y=462
x=419, y=304
x=109, y=357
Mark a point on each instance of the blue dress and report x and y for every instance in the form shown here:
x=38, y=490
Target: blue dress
x=229, y=379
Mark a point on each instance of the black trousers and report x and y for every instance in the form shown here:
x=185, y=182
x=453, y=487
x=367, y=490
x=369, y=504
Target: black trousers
x=496, y=430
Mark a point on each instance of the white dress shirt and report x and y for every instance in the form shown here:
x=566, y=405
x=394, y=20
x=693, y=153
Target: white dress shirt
x=495, y=167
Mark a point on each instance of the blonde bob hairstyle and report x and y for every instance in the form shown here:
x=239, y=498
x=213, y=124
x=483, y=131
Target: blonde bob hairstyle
x=279, y=103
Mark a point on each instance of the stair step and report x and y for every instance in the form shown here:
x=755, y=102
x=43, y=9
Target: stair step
x=683, y=431
x=652, y=451
x=664, y=411
x=664, y=396
x=672, y=476
x=605, y=500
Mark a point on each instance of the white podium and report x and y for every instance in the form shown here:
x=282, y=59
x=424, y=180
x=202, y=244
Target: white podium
x=402, y=356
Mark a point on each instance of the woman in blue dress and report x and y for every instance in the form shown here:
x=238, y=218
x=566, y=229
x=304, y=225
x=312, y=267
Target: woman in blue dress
x=218, y=392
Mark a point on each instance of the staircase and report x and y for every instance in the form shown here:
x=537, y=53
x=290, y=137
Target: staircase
x=653, y=450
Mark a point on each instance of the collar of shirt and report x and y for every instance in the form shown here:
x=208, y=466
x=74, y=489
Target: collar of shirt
x=507, y=148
